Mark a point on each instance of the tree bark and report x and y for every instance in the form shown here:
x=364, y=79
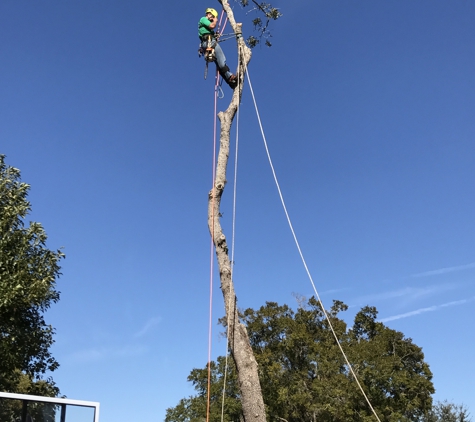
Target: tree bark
x=241, y=351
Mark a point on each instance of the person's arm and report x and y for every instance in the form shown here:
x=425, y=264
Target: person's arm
x=212, y=24
x=207, y=23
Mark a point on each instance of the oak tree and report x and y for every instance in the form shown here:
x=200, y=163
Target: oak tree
x=28, y=274
x=448, y=412
x=305, y=378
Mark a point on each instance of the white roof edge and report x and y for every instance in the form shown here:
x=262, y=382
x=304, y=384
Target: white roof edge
x=56, y=400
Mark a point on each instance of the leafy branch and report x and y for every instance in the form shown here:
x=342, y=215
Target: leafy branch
x=261, y=25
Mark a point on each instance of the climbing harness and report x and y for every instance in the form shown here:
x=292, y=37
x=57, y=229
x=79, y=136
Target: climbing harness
x=210, y=55
x=208, y=52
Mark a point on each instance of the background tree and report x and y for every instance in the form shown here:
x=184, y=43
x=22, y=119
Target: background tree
x=305, y=378
x=194, y=408
x=28, y=274
x=448, y=412
x=11, y=410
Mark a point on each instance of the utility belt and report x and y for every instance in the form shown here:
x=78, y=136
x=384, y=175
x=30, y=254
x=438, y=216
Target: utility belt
x=207, y=51
x=207, y=37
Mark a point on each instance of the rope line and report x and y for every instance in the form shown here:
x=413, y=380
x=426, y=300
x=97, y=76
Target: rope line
x=219, y=29
x=233, y=236
x=210, y=323
x=220, y=20
x=217, y=89
x=300, y=250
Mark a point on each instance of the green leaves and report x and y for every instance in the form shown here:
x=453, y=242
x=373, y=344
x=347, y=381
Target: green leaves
x=11, y=410
x=269, y=13
x=28, y=274
x=193, y=409
x=448, y=412
x=304, y=376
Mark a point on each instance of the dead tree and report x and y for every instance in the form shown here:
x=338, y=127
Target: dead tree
x=240, y=348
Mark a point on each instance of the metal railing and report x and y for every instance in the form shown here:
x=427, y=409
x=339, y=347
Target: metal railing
x=59, y=403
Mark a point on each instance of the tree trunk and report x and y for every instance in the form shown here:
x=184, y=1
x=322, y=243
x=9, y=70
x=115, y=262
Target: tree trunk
x=251, y=394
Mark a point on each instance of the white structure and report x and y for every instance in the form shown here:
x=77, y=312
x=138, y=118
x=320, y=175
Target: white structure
x=65, y=410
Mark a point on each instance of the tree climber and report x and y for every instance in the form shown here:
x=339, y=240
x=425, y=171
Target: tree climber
x=206, y=27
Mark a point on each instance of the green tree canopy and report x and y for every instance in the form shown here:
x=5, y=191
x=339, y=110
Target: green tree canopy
x=28, y=274
x=448, y=412
x=305, y=378
x=193, y=409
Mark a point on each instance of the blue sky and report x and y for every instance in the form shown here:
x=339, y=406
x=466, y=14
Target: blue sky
x=368, y=109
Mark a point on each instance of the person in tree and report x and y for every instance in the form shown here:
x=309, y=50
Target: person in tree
x=206, y=27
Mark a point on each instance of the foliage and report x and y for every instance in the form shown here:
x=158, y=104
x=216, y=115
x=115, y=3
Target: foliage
x=28, y=273
x=305, y=378
x=193, y=408
x=448, y=412
x=266, y=13
x=10, y=410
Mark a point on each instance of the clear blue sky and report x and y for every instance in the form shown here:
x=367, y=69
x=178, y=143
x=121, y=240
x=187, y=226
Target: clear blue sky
x=368, y=108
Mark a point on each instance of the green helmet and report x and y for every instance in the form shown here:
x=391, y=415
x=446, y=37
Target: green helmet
x=212, y=11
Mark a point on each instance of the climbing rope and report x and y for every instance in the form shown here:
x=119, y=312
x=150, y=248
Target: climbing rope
x=228, y=37
x=219, y=89
x=210, y=323
x=219, y=29
x=218, y=93
x=233, y=236
x=300, y=250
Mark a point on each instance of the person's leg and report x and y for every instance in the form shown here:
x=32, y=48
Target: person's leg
x=221, y=61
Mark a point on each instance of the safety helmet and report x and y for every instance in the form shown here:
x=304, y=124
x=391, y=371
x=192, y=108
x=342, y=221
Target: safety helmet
x=212, y=11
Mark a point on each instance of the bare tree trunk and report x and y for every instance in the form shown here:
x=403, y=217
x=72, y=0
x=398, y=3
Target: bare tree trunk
x=251, y=394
